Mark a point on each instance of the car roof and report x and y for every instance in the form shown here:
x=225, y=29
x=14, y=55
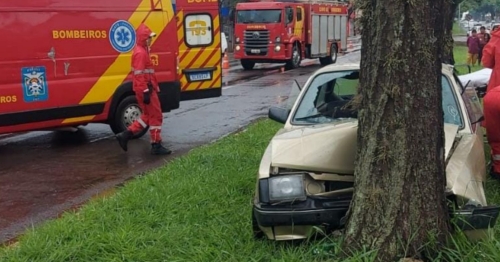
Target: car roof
x=338, y=67
x=356, y=66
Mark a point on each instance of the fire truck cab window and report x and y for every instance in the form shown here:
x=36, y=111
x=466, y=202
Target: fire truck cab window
x=199, y=30
x=289, y=15
x=299, y=14
x=258, y=16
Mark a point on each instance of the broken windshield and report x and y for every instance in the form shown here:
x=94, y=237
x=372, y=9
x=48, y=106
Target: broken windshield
x=258, y=16
x=327, y=100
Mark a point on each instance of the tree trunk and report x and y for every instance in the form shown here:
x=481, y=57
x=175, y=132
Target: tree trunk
x=449, y=15
x=399, y=203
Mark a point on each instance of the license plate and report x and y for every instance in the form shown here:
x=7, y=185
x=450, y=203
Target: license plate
x=200, y=76
x=255, y=51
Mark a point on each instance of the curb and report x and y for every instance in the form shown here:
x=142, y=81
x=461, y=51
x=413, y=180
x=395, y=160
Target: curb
x=237, y=63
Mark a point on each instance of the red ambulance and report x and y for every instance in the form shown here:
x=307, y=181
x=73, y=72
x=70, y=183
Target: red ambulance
x=66, y=63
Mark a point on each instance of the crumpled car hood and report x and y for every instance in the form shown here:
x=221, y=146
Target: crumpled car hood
x=329, y=148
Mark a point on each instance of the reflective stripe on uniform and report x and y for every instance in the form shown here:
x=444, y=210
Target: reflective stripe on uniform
x=155, y=127
x=145, y=71
x=142, y=123
x=495, y=157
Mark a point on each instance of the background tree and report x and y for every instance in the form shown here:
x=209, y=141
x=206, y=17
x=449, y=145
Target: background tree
x=449, y=18
x=399, y=203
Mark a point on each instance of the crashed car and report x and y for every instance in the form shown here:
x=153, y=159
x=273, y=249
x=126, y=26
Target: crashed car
x=478, y=79
x=305, y=179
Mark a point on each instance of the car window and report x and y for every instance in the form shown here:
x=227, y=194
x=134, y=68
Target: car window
x=451, y=110
x=327, y=99
x=345, y=87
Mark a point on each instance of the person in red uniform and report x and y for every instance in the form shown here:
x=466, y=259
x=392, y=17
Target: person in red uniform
x=489, y=56
x=491, y=102
x=146, y=90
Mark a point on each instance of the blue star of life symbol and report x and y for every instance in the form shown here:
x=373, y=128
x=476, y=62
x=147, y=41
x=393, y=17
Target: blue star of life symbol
x=122, y=36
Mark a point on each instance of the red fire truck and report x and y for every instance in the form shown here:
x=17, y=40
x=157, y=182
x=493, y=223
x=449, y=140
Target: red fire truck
x=283, y=31
x=66, y=63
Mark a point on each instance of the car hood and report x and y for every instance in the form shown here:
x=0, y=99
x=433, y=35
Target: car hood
x=329, y=148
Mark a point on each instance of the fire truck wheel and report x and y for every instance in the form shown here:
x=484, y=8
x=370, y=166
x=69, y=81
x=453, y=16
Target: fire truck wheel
x=247, y=64
x=330, y=59
x=333, y=53
x=294, y=62
x=127, y=111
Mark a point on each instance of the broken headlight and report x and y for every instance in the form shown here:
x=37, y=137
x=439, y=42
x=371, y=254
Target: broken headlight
x=286, y=188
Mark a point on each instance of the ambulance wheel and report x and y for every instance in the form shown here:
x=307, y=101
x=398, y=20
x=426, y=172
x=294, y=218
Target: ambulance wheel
x=247, y=65
x=332, y=59
x=127, y=111
x=294, y=62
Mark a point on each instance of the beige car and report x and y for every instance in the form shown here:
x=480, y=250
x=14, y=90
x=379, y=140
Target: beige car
x=306, y=178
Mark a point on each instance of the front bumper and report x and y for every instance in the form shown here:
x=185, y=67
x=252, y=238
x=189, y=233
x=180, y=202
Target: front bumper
x=266, y=55
x=310, y=213
x=329, y=217
x=476, y=218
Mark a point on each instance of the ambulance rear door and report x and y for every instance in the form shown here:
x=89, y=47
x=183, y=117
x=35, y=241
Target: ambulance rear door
x=200, y=59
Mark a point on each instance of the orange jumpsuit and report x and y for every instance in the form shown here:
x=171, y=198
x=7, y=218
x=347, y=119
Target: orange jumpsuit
x=142, y=69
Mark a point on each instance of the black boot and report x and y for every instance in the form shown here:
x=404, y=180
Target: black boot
x=159, y=149
x=123, y=139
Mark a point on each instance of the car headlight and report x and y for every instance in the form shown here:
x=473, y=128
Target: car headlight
x=277, y=48
x=286, y=188
x=277, y=39
x=237, y=40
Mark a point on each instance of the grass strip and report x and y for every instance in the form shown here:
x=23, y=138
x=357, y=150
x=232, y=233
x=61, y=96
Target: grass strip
x=460, y=55
x=196, y=208
x=458, y=30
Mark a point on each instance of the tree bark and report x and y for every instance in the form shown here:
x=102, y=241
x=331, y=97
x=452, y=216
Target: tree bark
x=449, y=15
x=399, y=203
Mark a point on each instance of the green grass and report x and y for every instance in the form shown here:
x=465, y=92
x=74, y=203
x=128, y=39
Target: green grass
x=457, y=30
x=460, y=54
x=196, y=208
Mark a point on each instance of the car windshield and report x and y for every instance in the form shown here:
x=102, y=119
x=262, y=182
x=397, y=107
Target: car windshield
x=258, y=16
x=327, y=100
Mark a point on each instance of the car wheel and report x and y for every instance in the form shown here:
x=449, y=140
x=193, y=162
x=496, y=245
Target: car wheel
x=257, y=232
x=126, y=113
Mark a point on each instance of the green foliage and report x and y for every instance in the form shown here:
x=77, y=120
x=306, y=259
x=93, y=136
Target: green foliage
x=480, y=7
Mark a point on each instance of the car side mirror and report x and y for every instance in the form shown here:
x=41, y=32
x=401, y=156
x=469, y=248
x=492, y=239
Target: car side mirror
x=278, y=114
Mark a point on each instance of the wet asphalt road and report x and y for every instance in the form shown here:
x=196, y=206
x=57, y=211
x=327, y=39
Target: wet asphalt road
x=44, y=173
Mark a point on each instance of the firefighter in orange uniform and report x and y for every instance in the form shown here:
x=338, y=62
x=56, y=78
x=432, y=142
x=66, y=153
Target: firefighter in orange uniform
x=491, y=104
x=491, y=113
x=146, y=90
